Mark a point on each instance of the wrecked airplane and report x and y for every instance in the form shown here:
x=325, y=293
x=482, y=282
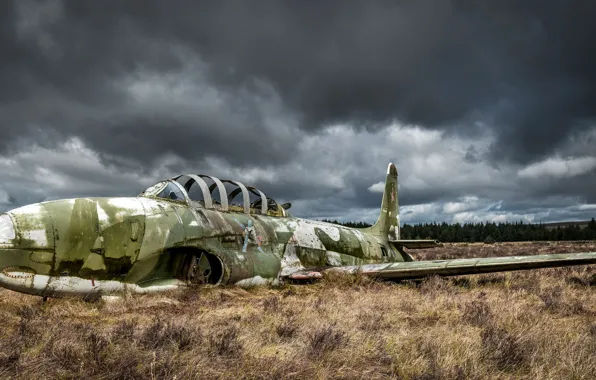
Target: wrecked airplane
x=192, y=229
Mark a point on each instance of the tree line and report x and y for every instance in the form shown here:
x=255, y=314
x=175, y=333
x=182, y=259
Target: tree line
x=488, y=232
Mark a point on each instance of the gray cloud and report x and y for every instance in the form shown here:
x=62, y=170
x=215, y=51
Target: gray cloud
x=302, y=100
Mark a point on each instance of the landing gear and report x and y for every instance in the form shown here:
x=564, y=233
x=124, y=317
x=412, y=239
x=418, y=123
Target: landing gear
x=202, y=268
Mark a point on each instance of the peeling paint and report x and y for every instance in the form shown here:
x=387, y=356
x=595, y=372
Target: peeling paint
x=7, y=230
x=333, y=258
x=102, y=216
x=39, y=237
x=304, y=232
x=290, y=262
x=332, y=231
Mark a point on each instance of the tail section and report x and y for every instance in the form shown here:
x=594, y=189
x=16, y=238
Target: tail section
x=387, y=226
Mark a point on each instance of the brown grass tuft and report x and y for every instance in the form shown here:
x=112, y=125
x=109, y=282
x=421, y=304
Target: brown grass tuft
x=161, y=333
x=552, y=298
x=504, y=349
x=287, y=329
x=125, y=330
x=434, y=285
x=325, y=339
x=345, y=280
x=478, y=312
x=226, y=343
x=271, y=304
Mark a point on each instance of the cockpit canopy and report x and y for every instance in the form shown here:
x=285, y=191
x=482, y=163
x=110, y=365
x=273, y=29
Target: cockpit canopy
x=200, y=191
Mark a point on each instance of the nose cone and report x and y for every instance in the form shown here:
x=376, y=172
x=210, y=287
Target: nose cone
x=28, y=227
x=26, y=247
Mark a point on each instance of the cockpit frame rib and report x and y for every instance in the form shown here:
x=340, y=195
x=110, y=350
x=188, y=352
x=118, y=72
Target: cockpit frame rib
x=223, y=193
x=202, y=184
x=264, y=201
x=183, y=190
x=245, y=195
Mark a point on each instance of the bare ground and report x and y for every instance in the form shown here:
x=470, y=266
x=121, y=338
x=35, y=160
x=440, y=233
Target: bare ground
x=538, y=324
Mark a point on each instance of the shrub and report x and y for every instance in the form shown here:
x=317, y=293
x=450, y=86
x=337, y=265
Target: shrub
x=226, y=343
x=271, y=304
x=477, y=313
x=504, y=349
x=325, y=339
x=489, y=240
x=287, y=329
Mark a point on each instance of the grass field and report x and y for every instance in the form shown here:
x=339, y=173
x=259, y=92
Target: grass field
x=538, y=324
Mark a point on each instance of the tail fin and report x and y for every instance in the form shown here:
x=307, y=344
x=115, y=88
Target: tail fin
x=387, y=226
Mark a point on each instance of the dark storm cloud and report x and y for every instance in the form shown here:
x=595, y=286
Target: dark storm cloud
x=249, y=82
x=580, y=186
x=526, y=67
x=74, y=84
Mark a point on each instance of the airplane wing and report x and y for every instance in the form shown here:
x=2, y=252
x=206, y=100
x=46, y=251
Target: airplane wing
x=419, y=269
x=416, y=244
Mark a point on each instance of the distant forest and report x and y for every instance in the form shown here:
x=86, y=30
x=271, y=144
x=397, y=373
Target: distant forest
x=489, y=232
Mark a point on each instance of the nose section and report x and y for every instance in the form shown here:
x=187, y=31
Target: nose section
x=26, y=247
x=90, y=238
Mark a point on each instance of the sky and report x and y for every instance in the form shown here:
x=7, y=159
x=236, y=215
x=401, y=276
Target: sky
x=487, y=108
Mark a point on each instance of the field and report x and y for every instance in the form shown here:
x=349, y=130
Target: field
x=537, y=324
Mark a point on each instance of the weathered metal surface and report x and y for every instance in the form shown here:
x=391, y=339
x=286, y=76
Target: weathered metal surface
x=153, y=242
x=418, y=269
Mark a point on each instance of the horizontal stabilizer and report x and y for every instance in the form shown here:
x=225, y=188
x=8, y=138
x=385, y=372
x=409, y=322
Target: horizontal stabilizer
x=416, y=244
x=420, y=269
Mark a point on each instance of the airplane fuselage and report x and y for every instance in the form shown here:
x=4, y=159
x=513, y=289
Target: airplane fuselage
x=144, y=244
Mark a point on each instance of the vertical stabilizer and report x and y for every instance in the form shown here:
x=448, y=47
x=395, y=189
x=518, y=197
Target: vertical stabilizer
x=387, y=226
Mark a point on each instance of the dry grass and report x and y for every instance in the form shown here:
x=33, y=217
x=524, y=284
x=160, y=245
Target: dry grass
x=533, y=324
